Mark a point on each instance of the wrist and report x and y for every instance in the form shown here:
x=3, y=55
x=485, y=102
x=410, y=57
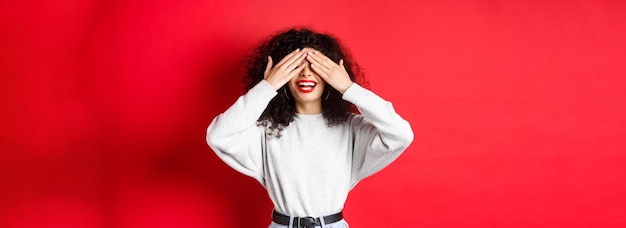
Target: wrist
x=343, y=89
x=273, y=84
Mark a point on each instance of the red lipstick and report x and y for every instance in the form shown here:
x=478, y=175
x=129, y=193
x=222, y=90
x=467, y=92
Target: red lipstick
x=306, y=86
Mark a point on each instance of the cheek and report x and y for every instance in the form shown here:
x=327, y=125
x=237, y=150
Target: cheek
x=322, y=86
x=292, y=82
x=291, y=89
x=320, y=80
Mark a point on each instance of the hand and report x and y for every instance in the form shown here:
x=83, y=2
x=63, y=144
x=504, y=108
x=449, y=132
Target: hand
x=287, y=68
x=334, y=74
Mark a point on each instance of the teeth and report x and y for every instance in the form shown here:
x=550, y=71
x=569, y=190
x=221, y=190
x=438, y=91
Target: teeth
x=301, y=84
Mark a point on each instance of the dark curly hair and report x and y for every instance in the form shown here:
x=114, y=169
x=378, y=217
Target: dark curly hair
x=281, y=109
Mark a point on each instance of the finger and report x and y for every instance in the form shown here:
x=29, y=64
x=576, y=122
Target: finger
x=297, y=70
x=327, y=62
x=269, y=65
x=297, y=62
x=321, y=57
x=289, y=58
x=294, y=72
x=319, y=71
x=322, y=60
x=314, y=60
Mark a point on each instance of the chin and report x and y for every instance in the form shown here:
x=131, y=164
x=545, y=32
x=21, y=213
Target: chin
x=304, y=99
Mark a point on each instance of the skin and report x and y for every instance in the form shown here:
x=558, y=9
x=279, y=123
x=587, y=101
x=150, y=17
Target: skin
x=307, y=64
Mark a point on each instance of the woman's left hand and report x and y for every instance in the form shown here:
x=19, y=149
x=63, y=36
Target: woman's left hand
x=333, y=73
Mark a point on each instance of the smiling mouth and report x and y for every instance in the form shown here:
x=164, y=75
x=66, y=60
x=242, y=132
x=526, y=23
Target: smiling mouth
x=306, y=86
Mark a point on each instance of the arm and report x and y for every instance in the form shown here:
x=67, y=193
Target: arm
x=234, y=135
x=380, y=134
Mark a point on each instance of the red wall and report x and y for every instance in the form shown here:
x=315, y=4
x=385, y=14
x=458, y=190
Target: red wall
x=518, y=109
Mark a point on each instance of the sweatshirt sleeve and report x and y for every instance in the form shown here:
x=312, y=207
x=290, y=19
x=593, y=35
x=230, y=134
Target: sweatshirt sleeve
x=234, y=135
x=380, y=135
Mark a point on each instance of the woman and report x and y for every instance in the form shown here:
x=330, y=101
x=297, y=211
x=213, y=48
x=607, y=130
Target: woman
x=296, y=130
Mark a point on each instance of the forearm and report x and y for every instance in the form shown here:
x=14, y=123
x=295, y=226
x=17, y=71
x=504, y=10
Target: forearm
x=242, y=115
x=389, y=124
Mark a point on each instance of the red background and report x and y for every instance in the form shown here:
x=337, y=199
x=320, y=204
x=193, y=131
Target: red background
x=517, y=107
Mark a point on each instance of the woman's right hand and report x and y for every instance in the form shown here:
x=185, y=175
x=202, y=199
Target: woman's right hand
x=287, y=68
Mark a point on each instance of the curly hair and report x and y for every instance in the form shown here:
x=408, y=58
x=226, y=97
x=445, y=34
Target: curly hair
x=281, y=109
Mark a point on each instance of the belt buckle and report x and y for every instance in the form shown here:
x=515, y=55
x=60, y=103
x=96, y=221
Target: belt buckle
x=307, y=222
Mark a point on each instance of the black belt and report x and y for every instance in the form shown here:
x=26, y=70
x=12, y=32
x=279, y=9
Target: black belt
x=305, y=222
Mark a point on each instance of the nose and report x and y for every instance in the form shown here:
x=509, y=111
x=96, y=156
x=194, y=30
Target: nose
x=306, y=70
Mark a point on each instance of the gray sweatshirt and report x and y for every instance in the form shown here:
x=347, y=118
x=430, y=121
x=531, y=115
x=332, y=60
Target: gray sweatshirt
x=310, y=169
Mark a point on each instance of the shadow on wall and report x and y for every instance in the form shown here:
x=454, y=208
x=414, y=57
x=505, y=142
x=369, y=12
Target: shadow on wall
x=234, y=200
x=187, y=185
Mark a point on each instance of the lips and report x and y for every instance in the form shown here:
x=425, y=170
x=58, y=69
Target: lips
x=306, y=86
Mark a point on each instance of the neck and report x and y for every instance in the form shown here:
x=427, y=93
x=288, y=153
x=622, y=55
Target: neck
x=308, y=108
